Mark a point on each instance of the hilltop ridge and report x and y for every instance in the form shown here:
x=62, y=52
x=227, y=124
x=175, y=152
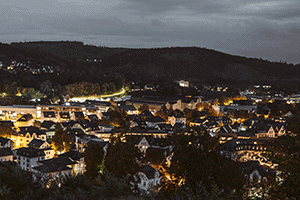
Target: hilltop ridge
x=191, y=63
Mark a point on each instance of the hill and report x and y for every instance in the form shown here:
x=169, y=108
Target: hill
x=72, y=51
x=191, y=63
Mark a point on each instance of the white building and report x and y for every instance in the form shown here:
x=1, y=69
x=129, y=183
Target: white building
x=183, y=83
x=149, y=179
x=27, y=158
x=176, y=119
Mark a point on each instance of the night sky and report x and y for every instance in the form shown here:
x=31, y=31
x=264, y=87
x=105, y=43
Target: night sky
x=252, y=28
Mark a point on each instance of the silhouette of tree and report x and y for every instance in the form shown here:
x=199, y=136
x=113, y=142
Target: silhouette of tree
x=93, y=157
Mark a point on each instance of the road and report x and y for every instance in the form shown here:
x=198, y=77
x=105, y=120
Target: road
x=98, y=97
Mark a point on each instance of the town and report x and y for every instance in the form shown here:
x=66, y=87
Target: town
x=144, y=135
x=149, y=100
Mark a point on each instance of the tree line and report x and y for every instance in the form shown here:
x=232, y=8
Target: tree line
x=50, y=90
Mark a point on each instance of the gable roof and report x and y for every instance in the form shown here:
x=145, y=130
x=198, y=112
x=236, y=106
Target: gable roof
x=30, y=152
x=146, y=113
x=127, y=108
x=25, y=118
x=249, y=167
x=30, y=129
x=226, y=128
x=93, y=117
x=199, y=121
x=55, y=165
x=3, y=141
x=148, y=171
x=79, y=115
x=74, y=155
x=155, y=119
x=47, y=124
x=67, y=124
x=6, y=152
x=35, y=143
x=165, y=127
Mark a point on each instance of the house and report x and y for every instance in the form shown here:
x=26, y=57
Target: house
x=70, y=163
x=149, y=179
x=143, y=145
x=279, y=129
x=262, y=130
x=164, y=127
x=176, y=119
x=104, y=135
x=78, y=125
x=64, y=116
x=48, y=128
x=129, y=109
x=48, y=125
x=237, y=127
x=184, y=103
x=103, y=106
x=143, y=142
x=179, y=127
x=92, y=117
x=54, y=167
x=288, y=114
x=263, y=110
x=25, y=120
x=6, y=143
x=146, y=131
x=105, y=115
x=245, y=149
x=184, y=83
x=68, y=124
x=44, y=145
x=154, y=120
x=27, y=158
x=79, y=115
x=49, y=116
x=146, y=114
x=257, y=175
x=225, y=129
x=26, y=134
x=198, y=122
x=6, y=155
x=106, y=127
x=78, y=158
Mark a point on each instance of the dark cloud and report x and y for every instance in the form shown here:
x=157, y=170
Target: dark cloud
x=267, y=29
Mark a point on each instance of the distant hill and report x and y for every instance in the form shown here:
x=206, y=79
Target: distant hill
x=19, y=53
x=191, y=63
x=72, y=51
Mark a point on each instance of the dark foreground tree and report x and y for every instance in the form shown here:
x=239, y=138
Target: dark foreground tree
x=93, y=157
x=6, y=130
x=197, y=161
x=154, y=156
x=122, y=159
x=284, y=151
